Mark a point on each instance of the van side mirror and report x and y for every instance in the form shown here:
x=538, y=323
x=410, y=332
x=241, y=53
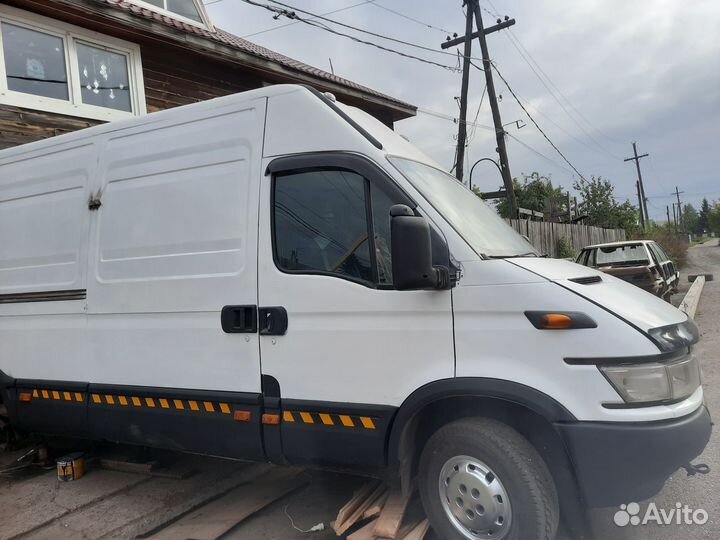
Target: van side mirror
x=411, y=250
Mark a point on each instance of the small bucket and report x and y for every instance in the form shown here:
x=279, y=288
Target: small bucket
x=71, y=467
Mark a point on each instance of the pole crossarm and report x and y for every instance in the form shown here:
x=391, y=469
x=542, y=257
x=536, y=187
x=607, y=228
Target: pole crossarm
x=489, y=30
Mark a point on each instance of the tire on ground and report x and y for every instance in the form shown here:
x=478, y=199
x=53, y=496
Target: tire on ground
x=523, y=473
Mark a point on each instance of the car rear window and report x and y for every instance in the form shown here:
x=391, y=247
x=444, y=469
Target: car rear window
x=621, y=255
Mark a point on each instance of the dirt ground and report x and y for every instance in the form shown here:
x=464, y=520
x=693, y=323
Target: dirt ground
x=196, y=497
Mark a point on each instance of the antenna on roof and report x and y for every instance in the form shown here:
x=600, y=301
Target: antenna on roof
x=332, y=69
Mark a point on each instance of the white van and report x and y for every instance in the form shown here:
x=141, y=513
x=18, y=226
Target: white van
x=274, y=276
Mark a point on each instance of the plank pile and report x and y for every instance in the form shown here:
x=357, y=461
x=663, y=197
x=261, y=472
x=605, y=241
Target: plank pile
x=385, y=513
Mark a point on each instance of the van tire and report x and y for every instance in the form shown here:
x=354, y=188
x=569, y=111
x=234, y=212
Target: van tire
x=515, y=462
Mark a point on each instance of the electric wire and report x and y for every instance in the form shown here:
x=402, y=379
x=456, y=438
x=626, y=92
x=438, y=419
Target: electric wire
x=297, y=22
x=540, y=154
x=364, y=31
x=535, y=123
x=354, y=38
x=530, y=60
x=427, y=25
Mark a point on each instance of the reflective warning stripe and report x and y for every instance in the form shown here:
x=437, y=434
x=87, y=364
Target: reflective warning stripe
x=330, y=419
x=54, y=395
x=157, y=403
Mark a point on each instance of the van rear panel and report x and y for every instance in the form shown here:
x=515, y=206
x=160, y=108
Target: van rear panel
x=122, y=298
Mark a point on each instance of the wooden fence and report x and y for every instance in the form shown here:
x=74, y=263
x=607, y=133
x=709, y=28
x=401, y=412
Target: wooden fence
x=545, y=235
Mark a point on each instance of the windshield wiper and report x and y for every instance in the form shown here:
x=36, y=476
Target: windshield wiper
x=528, y=254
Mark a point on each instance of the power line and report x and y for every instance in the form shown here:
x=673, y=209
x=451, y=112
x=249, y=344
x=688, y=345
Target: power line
x=453, y=119
x=421, y=23
x=477, y=113
x=534, y=122
x=512, y=39
x=511, y=36
x=296, y=22
x=537, y=152
x=354, y=38
x=361, y=30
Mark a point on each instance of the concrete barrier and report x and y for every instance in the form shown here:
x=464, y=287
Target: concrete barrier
x=690, y=303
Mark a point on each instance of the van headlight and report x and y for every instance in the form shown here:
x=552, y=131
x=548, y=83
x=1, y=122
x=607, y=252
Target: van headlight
x=655, y=382
x=675, y=336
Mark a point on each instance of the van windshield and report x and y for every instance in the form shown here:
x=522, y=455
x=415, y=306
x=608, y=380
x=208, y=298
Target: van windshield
x=479, y=225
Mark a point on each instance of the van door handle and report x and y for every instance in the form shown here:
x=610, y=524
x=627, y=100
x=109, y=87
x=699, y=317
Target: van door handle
x=239, y=319
x=273, y=321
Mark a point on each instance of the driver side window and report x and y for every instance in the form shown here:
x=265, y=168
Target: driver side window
x=321, y=224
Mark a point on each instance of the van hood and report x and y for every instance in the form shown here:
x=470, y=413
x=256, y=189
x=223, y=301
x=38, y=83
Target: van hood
x=627, y=301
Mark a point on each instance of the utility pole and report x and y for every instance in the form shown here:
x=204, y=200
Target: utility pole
x=677, y=194
x=675, y=217
x=667, y=211
x=640, y=206
x=643, y=202
x=473, y=8
x=462, y=123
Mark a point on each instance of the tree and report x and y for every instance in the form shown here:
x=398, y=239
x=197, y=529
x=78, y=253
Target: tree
x=704, y=221
x=690, y=219
x=531, y=193
x=714, y=218
x=602, y=209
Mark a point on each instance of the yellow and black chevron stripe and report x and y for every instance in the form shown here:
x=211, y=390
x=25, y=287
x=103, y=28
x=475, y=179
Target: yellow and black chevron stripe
x=330, y=419
x=55, y=395
x=160, y=403
x=348, y=421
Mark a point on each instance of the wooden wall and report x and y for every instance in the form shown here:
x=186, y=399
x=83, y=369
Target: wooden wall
x=169, y=82
x=20, y=126
x=545, y=235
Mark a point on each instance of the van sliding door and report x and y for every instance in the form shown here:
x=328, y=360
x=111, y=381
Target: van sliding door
x=173, y=242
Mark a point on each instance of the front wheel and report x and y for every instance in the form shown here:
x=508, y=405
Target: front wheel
x=480, y=479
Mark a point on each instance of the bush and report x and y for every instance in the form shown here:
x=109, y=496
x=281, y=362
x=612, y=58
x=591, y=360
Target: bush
x=675, y=245
x=564, y=249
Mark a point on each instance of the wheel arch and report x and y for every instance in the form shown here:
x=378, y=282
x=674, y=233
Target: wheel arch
x=529, y=411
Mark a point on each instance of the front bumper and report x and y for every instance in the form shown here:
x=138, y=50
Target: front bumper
x=618, y=463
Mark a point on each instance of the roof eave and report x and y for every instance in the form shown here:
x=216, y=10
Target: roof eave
x=156, y=31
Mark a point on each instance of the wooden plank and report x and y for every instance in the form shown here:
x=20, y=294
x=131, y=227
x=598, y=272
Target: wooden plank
x=365, y=533
x=127, y=466
x=358, y=498
x=376, y=507
x=218, y=517
x=419, y=532
x=403, y=532
x=388, y=524
x=342, y=526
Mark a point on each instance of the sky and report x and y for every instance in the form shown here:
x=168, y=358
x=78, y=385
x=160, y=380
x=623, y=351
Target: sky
x=595, y=74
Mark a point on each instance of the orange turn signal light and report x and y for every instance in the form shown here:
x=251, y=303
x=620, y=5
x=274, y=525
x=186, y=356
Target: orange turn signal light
x=25, y=396
x=557, y=321
x=560, y=320
x=271, y=419
x=242, y=416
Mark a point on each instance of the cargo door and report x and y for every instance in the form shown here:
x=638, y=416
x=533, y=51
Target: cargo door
x=172, y=244
x=44, y=229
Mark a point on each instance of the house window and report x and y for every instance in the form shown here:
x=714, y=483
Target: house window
x=103, y=77
x=34, y=62
x=189, y=11
x=51, y=66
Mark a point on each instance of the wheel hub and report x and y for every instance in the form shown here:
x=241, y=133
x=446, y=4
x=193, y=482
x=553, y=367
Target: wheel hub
x=474, y=499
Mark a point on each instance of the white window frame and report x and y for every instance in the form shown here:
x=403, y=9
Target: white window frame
x=70, y=34
x=206, y=24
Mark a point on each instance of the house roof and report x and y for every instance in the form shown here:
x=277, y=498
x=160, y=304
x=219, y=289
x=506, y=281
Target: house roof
x=245, y=46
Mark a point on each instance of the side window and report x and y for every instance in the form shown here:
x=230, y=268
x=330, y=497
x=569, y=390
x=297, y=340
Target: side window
x=320, y=224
